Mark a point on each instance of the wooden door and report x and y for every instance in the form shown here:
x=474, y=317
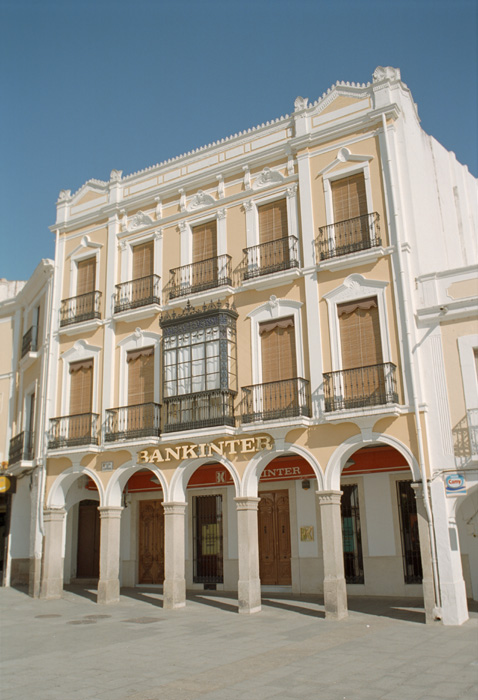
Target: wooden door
x=88, y=553
x=151, y=542
x=274, y=538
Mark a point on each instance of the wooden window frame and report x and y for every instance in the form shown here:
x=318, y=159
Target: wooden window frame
x=252, y=213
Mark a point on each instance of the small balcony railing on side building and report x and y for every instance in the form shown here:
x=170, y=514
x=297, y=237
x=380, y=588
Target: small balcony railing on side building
x=200, y=276
x=81, y=308
x=136, y=293
x=274, y=256
x=30, y=341
x=349, y=236
x=203, y=409
x=287, y=398
x=360, y=387
x=133, y=422
x=73, y=431
x=22, y=447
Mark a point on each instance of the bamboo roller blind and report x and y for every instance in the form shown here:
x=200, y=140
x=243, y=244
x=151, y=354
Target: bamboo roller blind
x=273, y=221
x=140, y=376
x=360, y=334
x=143, y=256
x=81, y=387
x=86, y=278
x=204, y=241
x=349, y=197
x=278, y=351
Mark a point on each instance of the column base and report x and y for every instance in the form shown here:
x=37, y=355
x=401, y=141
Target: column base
x=108, y=592
x=249, y=596
x=174, y=594
x=51, y=589
x=34, y=578
x=335, y=599
x=454, y=604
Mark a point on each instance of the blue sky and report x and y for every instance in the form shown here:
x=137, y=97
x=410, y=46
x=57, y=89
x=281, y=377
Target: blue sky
x=88, y=86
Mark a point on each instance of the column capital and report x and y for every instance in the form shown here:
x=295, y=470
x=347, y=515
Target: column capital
x=329, y=497
x=247, y=502
x=110, y=511
x=417, y=486
x=51, y=514
x=174, y=507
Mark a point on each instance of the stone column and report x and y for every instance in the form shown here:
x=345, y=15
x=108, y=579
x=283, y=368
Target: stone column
x=174, y=588
x=108, y=585
x=52, y=578
x=335, y=593
x=249, y=584
x=425, y=555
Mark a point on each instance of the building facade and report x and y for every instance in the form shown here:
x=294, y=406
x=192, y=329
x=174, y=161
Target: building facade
x=263, y=366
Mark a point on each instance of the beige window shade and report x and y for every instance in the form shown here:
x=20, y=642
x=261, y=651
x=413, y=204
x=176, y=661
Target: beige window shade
x=278, y=351
x=204, y=241
x=81, y=387
x=143, y=257
x=140, y=376
x=360, y=334
x=86, y=279
x=349, y=197
x=273, y=221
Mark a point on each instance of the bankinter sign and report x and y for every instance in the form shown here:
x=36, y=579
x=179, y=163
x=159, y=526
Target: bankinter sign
x=206, y=449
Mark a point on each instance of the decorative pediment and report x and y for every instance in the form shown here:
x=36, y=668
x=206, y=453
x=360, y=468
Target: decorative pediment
x=84, y=243
x=267, y=178
x=201, y=199
x=91, y=190
x=81, y=350
x=137, y=222
x=354, y=287
x=344, y=156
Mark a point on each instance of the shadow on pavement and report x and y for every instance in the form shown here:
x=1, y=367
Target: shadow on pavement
x=145, y=595
x=83, y=591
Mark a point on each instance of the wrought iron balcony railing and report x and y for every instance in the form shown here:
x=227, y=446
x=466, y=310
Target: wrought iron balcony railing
x=275, y=400
x=199, y=276
x=22, y=447
x=29, y=341
x=274, y=256
x=130, y=422
x=72, y=431
x=360, y=387
x=203, y=409
x=135, y=293
x=80, y=308
x=349, y=236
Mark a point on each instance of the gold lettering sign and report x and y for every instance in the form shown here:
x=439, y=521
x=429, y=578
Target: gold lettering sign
x=210, y=449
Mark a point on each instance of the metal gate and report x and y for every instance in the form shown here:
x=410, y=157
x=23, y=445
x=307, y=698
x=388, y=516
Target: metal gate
x=207, y=540
x=407, y=507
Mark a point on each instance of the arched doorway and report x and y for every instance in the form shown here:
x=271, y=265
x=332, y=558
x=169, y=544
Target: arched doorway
x=82, y=534
x=380, y=537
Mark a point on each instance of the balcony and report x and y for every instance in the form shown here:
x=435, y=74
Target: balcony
x=276, y=400
x=200, y=276
x=360, y=387
x=349, y=236
x=274, y=256
x=204, y=409
x=136, y=293
x=73, y=431
x=22, y=448
x=29, y=341
x=132, y=422
x=80, y=308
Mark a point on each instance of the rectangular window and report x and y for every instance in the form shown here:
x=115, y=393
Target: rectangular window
x=191, y=362
x=407, y=508
x=351, y=534
x=349, y=197
x=204, y=241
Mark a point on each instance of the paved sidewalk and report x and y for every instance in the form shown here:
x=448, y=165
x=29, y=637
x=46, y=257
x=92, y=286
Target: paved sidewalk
x=74, y=649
